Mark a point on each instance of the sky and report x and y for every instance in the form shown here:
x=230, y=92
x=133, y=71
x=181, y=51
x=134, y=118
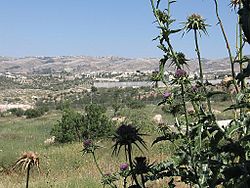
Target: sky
x=105, y=28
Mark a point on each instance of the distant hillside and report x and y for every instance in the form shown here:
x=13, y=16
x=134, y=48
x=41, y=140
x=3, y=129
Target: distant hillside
x=86, y=64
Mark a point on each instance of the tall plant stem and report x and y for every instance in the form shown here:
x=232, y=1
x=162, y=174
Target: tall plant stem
x=185, y=107
x=99, y=169
x=124, y=182
x=163, y=26
x=28, y=176
x=227, y=45
x=240, y=49
x=201, y=71
x=143, y=181
x=198, y=55
x=131, y=164
x=242, y=84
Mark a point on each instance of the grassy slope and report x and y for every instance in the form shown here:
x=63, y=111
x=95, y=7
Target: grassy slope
x=62, y=165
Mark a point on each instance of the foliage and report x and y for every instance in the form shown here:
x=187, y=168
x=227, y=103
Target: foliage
x=75, y=126
x=208, y=155
x=96, y=124
x=34, y=113
x=68, y=128
x=16, y=111
x=135, y=104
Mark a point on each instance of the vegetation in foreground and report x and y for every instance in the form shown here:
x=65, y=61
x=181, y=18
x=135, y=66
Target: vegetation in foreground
x=204, y=154
x=62, y=165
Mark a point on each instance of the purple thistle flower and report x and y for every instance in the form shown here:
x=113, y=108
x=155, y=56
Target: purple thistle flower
x=194, y=88
x=124, y=166
x=87, y=143
x=180, y=73
x=166, y=95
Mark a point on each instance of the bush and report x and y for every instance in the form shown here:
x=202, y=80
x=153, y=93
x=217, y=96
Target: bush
x=68, y=128
x=96, y=123
x=136, y=104
x=75, y=126
x=16, y=111
x=34, y=113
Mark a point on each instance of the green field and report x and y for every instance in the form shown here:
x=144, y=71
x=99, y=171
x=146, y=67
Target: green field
x=63, y=165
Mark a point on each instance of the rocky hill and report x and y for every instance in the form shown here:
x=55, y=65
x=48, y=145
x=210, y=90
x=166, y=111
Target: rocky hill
x=86, y=64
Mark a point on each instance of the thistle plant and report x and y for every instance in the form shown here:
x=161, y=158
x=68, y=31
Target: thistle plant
x=178, y=60
x=124, y=173
x=197, y=24
x=208, y=155
x=227, y=43
x=128, y=136
x=142, y=167
x=26, y=162
x=234, y=3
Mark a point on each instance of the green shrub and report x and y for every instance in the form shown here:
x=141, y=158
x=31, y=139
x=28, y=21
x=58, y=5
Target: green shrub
x=136, y=104
x=75, y=126
x=68, y=128
x=16, y=111
x=34, y=113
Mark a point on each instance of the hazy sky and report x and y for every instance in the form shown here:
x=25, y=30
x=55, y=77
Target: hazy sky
x=103, y=28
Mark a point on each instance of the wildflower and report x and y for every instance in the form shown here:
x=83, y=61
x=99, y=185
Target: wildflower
x=141, y=165
x=166, y=95
x=126, y=135
x=180, y=60
x=124, y=166
x=179, y=73
x=87, y=143
x=195, y=22
x=194, y=89
x=89, y=146
x=27, y=160
x=166, y=98
x=234, y=3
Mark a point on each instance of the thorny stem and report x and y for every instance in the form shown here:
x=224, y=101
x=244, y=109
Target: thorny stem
x=131, y=164
x=240, y=50
x=198, y=55
x=124, y=182
x=28, y=175
x=227, y=45
x=185, y=107
x=99, y=169
x=242, y=84
x=143, y=181
x=163, y=26
x=173, y=56
x=201, y=72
